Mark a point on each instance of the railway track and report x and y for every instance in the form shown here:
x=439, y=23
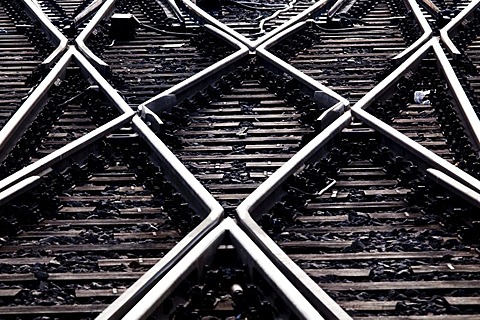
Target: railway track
x=100, y=216
x=467, y=64
x=74, y=109
x=432, y=121
x=236, y=133
x=439, y=13
x=353, y=54
x=68, y=16
x=23, y=48
x=158, y=54
x=79, y=239
x=376, y=235
x=255, y=19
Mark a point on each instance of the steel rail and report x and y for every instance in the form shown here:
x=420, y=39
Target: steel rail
x=393, y=77
x=294, y=28
x=52, y=33
x=168, y=98
x=450, y=30
x=106, y=11
x=252, y=45
x=470, y=118
x=249, y=253
x=324, y=96
x=271, y=189
x=195, y=194
x=262, y=51
x=21, y=119
x=454, y=186
x=101, y=14
x=439, y=170
x=273, y=16
x=205, y=18
x=429, y=158
x=180, y=176
x=200, y=199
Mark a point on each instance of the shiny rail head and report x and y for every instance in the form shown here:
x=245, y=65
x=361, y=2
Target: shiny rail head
x=180, y=177
x=288, y=30
x=264, y=48
x=455, y=187
x=324, y=95
x=205, y=18
x=79, y=149
x=199, y=199
x=465, y=110
x=451, y=29
x=199, y=256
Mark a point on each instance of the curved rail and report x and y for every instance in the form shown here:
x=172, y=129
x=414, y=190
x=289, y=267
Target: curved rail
x=103, y=12
x=53, y=34
x=250, y=254
x=450, y=29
